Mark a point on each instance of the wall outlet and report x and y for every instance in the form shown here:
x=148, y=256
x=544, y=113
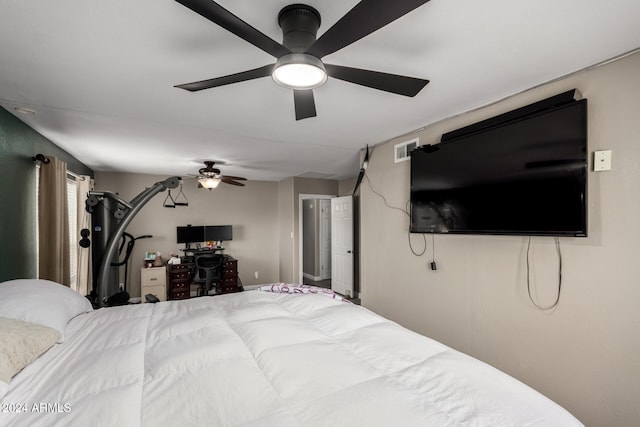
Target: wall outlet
x=602, y=160
x=256, y=274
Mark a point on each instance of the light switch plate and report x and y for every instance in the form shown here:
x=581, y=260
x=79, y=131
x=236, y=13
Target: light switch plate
x=602, y=160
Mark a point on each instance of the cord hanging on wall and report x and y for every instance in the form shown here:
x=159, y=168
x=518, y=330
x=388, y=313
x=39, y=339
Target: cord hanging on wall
x=363, y=169
x=557, y=300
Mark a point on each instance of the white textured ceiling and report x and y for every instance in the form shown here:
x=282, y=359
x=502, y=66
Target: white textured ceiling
x=100, y=75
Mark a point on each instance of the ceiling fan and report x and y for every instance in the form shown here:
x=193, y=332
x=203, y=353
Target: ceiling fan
x=210, y=177
x=298, y=63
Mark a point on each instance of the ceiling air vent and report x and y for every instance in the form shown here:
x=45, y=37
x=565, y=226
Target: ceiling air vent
x=403, y=150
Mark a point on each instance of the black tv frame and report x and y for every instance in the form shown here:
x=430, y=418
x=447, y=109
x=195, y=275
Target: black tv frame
x=468, y=134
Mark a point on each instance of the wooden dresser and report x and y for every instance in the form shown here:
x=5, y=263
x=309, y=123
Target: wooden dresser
x=229, y=282
x=179, y=281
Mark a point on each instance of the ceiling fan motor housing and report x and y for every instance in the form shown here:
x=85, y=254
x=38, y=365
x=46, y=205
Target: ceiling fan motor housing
x=209, y=170
x=299, y=24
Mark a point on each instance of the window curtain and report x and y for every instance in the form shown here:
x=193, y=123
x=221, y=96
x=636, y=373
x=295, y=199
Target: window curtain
x=84, y=222
x=53, y=223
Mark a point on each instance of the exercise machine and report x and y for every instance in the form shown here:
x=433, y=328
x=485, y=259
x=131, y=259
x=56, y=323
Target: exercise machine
x=111, y=215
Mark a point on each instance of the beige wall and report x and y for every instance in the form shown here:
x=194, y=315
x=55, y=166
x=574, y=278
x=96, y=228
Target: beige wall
x=264, y=216
x=584, y=354
x=285, y=230
x=346, y=186
x=252, y=210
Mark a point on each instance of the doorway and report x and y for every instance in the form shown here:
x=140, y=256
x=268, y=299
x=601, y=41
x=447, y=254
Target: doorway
x=315, y=239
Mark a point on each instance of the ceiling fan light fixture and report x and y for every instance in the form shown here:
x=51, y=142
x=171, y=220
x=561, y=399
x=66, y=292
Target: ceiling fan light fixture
x=299, y=71
x=209, y=182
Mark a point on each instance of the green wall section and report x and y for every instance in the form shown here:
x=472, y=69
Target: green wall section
x=18, y=144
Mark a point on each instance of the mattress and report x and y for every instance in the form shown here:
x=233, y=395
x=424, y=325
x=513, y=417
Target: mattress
x=262, y=359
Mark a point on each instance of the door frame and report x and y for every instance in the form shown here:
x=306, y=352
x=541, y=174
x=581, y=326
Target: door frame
x=322, y=230
x=302, y=197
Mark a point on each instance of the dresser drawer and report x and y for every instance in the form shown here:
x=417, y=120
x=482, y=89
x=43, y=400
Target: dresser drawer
x=184, y=294
x=179, y=271
x=229, y=283
x=179, y=285
x=153, y=276
x=179, y=275
x=228, y=271
x=229, y=289
x=229, y=280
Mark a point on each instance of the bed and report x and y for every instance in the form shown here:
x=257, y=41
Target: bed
x=283, y=356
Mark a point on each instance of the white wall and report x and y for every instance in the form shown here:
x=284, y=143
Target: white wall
x=252, y=210
x=584, y=354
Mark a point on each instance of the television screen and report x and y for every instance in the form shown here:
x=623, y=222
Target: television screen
x=218, y=233
x=525, y=176
x=190, y=234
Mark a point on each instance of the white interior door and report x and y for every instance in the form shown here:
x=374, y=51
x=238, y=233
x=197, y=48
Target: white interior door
x=342, y=245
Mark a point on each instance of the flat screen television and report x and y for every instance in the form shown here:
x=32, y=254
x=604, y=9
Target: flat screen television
x=218, y=233
x=190, y=234
x=521, y=173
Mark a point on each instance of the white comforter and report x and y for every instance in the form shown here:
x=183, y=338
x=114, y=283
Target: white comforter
x=264, y=360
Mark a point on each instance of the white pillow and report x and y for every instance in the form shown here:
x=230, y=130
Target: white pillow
x=41, y=301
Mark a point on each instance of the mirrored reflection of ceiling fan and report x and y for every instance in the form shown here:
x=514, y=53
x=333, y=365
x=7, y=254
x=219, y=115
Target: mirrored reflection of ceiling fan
x=210, y=177
x=298, y=63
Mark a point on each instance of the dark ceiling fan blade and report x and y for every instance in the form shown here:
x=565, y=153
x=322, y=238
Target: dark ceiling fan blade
x=401, y=85
x=227, y=20
x=232, y=182
x=366, y=17
x=256, y=73
x=235, y=178
x=304, y=104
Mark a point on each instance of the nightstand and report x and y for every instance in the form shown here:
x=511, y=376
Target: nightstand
x=153, y=281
